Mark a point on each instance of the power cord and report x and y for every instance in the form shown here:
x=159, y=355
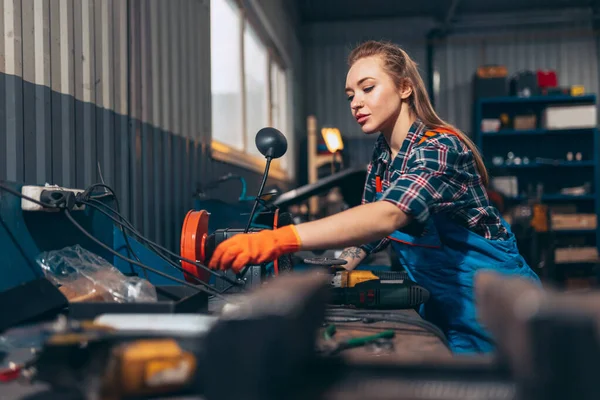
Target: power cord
x=214, y=184
x=258, y=197
x=206, y=289
x=21, y=195
x=65, y=201
x=155, y=246
x=130, y=251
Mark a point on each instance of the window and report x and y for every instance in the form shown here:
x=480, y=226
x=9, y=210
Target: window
x=226, y=77
x=256, y=74
x=279, y=110
x=249, y=89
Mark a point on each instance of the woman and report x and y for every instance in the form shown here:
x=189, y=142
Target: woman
x=425, y=195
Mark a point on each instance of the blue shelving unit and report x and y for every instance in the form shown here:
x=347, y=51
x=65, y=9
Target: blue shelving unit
x=545, y=150
x=544, y=100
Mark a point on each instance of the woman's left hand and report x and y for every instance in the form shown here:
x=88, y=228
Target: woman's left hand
x=255, y=248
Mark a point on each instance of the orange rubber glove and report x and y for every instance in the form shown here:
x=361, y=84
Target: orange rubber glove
x=255, y=248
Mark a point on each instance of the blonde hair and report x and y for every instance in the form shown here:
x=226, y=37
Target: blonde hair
x=403, y=70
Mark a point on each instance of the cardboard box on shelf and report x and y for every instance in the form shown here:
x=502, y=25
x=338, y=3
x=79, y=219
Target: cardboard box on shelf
x=573, y=221
x=568, y=255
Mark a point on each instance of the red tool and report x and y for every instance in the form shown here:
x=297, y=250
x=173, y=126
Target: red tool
x=193, y=239
x=10, y=374
x=198, y=245
x=547, y=79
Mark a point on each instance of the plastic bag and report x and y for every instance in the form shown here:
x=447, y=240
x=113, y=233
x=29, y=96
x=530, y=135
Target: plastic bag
x=85, y=276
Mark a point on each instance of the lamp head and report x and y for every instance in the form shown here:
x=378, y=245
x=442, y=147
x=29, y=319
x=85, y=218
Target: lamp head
x=333, y=139
x=271, y=143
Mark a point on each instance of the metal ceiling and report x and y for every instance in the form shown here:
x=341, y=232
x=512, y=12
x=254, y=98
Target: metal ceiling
x=441, y=10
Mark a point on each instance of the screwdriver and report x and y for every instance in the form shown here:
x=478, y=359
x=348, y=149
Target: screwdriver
x=356, y=341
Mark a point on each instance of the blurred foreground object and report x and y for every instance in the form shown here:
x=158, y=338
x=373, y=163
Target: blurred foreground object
x=548, y=339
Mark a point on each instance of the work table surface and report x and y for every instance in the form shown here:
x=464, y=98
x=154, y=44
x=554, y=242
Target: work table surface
x=410, y=342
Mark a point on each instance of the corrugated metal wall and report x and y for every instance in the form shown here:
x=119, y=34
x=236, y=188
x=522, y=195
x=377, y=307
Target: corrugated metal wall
x=169, y=100
x=111, y=85
x=327, y=46
x=572, y=53
x=571, y=50
x=117, y=86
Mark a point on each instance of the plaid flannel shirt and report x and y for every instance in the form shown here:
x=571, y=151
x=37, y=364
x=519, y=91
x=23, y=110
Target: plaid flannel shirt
x=433, y=172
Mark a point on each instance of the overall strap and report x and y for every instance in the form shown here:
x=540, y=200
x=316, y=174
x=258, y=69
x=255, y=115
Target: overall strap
x=432, y=133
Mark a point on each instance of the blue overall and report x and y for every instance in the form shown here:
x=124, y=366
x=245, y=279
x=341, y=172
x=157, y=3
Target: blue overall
x=444, y=259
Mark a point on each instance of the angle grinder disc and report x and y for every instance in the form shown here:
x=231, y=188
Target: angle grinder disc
x=193, y=238
x=326, y=261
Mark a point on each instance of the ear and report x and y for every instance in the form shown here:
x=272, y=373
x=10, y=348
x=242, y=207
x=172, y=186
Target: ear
x=405, y=90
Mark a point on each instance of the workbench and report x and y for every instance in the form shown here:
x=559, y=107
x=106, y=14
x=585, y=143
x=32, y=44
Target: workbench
x=409, y=343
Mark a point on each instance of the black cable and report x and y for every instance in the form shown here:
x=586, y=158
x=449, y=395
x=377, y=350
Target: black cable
x=89, y=189
x=379, y=315
x=102, y=196
x=116, y=253
x=123, y=223
x=267, y=206
x=256, y=201
x=21, y=195
x=258, y=197
x=226, y=289
x=87, y=193
x=171, y=263
x=89, y=235
x=156, y=246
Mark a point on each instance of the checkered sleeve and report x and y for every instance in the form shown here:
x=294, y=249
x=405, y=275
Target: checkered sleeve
x=438, y=177
x=376, y=246
x=369, y=195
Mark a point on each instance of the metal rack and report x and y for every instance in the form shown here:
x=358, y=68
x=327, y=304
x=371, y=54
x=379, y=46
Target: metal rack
x=541, y=164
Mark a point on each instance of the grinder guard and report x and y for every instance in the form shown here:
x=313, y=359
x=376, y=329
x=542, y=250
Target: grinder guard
x=197, y=244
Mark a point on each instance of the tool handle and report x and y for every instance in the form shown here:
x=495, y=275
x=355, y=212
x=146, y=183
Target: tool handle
x=329, y=332
x=361, y=341
x=374, y=295
x=391, y=275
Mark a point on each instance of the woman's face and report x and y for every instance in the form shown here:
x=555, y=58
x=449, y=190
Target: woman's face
x=374, y=99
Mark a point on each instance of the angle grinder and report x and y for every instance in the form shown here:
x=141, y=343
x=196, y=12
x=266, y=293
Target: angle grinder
x=371, y=289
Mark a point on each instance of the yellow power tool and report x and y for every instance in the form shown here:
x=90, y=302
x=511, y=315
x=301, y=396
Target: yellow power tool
x=112, y=365
x=348, y=279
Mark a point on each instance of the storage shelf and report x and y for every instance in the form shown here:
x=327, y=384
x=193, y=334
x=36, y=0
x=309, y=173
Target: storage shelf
x=511, y=132
x=578, y=263
x=567, y=197
x=558, y=197
x=589, y=98
x=574, y=231
x=541, y=169
x=560, y=164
